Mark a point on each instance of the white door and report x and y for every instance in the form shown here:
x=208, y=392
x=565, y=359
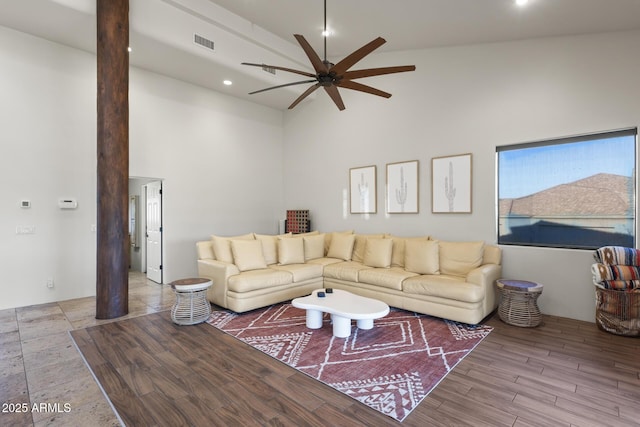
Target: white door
x=154, y=231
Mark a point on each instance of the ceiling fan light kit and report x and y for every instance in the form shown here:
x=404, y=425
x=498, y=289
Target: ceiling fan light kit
x=331, y=76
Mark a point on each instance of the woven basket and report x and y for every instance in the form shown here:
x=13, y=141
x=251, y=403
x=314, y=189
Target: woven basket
x=519, y=308
x=618, y=312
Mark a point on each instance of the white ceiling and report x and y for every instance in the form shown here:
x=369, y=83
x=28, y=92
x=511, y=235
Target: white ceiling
x=419, y=24
x=262, y=31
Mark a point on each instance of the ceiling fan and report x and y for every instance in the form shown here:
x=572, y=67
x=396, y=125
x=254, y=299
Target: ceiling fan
x=332, y=76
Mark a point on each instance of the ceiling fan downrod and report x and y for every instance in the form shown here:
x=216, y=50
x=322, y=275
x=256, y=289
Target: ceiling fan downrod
x=324, y=33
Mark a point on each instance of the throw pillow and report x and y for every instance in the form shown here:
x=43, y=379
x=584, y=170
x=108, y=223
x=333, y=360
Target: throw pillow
x=459, y=258
x=290, y=251
x=421, y=256
x=270, y=246
x=397, y=256
x=329, y=236
x=308, y=233
x=313, y=246
x=222, y=246
x=247, y=254
x=377, y=253
x=205, y=250
x=360, y=244
x=341, y=246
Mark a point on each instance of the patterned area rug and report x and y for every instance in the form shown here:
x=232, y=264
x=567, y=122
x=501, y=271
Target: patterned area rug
x=390, y=368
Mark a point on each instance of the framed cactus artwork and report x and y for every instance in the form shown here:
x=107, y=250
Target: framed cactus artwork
x=402, y=187
x=451, y=184
x=362, y=190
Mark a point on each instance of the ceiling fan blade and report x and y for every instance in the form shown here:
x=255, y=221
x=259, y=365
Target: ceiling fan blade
x=317, y=63
x=348, y=84
x=335, y=96
x=370, y=72
x=304, y=95
x=356, y=56
x=275, y=67
x=284, y=85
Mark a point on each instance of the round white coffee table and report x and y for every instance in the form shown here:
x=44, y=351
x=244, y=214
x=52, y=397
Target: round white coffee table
x=191, y=304
x=343, y=307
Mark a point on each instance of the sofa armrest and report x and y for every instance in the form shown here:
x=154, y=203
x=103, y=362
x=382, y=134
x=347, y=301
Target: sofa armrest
x=219, y=273
x=486, y=276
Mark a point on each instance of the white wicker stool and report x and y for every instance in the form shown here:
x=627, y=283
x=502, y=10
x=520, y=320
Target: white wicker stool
x=191, y=304
x=518, y=302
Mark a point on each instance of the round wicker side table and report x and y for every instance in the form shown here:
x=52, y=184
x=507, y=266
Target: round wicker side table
x=191, y=304
x=518, y=302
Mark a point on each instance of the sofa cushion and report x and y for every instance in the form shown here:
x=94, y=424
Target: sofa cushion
x=347, y=270
x=222, y=246
x=341, y=246
x=259, y=279
x=360, y=244
x=459, y=258
x=324, y=261
x=313, y=246
x=397, y=255
x=270, y=246
x=290, y=251
x=421, y=256
x=301, y=272
x=247, y=254
x=390, y=278
x=447, y=287
x=377, y=252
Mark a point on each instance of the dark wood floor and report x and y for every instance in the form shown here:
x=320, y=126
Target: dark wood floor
x=564, y=373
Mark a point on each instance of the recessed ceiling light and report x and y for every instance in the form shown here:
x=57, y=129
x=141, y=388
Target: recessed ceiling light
x=522, y=2
x=129, y=49
x=327, y=33
x=227, y=82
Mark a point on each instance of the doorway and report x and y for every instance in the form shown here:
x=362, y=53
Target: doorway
x=147, y=254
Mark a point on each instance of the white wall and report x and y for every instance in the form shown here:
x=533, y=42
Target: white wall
x=47, y=151
x=466, y=99
x=220, y=159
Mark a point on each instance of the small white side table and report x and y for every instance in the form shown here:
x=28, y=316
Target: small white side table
x=191, y=304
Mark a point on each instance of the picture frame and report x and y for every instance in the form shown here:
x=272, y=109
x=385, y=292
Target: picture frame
x=363, y=190
x=402, y=187
x=451, y=184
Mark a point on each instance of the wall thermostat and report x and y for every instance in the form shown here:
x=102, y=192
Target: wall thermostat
x=25, y=204
x=68, y=203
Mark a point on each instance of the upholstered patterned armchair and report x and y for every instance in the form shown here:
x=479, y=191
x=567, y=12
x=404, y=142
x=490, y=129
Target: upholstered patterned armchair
x=616, y=275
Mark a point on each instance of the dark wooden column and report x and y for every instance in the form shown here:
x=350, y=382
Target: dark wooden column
x=112, y=284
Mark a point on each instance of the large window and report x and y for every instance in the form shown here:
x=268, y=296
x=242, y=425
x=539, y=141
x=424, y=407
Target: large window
x=574, y=192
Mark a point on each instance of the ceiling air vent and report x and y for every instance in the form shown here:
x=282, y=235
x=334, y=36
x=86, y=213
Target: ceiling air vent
x=269, y=69
x=203, y=41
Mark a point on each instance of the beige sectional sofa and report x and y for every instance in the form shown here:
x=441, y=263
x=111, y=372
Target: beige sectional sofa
x=452, y=280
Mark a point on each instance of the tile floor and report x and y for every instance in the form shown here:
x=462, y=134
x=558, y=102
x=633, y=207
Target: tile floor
x=43, y=379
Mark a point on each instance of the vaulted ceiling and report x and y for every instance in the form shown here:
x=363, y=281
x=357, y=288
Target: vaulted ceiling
x=162, y=31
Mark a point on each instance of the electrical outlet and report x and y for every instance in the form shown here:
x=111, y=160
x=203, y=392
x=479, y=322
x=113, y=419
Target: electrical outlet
x=50, y=283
